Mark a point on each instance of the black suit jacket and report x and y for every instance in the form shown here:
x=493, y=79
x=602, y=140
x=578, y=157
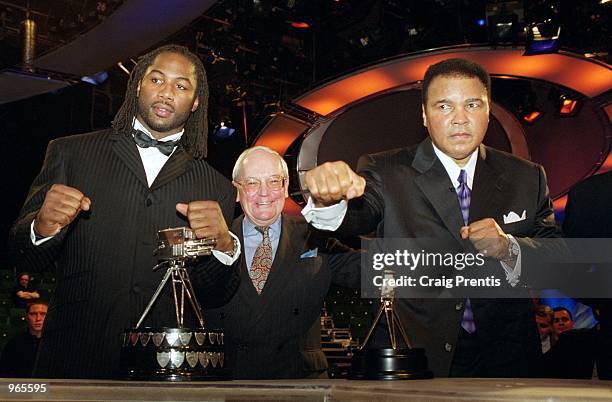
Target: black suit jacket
x=588, y=214
x=409, y=195
x=277, y=334
x=104, y=257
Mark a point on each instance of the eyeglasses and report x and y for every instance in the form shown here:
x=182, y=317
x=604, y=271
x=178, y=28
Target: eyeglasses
x=252, y=185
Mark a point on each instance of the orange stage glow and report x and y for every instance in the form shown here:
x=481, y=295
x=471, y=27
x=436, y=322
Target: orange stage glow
x=337, y=94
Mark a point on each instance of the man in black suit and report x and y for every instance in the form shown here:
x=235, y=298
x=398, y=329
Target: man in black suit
x=272, y=324
x=452, y=188
x=587, y=215
x=98, y=202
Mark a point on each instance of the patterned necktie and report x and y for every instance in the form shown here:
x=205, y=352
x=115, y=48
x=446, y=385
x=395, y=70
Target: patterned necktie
x=262, y=260
x=144, y=141
x=464, y=195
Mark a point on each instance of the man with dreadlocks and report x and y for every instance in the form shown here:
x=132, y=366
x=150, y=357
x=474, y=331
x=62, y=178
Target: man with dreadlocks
x=98, y=202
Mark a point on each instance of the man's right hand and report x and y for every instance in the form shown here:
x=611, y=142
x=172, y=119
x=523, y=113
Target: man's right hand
x=61, y=205
x=334, y=181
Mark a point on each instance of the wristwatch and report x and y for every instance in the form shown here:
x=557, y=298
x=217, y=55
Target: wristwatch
x=234, y=250
x=513, y=250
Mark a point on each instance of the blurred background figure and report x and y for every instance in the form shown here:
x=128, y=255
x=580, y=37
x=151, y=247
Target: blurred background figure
x=24, y=291
x=18, y=355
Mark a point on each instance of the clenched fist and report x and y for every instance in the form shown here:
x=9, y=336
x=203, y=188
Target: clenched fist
x=61, y=206
x=487, y=237
x=207, y=221
x=334, y=181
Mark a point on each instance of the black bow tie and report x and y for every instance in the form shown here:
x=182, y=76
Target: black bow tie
x=144, y=141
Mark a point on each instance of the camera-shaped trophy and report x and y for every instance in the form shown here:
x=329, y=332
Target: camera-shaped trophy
x=394, y=362
x=175, y=353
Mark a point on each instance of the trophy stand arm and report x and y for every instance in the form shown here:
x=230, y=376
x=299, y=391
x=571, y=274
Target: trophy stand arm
x=401, y=329
x=192, y=298
x=374, y=324
x=154, y=298
x=179, y=318
x=389, y=317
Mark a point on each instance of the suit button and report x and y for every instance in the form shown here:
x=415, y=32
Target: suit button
x=459, y=306
x=448, y=347
x=296, y=311
x=148, y=202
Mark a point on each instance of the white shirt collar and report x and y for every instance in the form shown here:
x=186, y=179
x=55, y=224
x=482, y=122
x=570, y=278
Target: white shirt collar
x=453, y=170
x=139, y=126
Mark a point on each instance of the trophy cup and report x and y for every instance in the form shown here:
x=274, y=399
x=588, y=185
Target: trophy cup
x=175, y=353
x=395, y=362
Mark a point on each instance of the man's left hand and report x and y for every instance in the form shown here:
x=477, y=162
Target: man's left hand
x=487, y=237
x=207, y=221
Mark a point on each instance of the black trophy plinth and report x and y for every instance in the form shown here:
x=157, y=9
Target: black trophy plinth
x=173, y=354
x=394, y=362
x=389, y=364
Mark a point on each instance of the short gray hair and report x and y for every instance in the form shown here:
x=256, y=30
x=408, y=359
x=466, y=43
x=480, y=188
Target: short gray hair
x=248, y=151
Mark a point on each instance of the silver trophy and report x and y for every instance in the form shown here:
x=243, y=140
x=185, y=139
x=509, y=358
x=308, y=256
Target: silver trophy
x=175, y=247
x=175, y=354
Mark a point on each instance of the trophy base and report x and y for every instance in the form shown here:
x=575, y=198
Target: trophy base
x=389, y=364
x=173, y=354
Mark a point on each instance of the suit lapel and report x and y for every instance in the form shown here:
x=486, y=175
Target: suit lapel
x=125, y=148
x=178, y=163
x=487, y=192
x=438, y=188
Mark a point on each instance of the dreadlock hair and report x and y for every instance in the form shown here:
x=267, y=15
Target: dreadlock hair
x=195, y=138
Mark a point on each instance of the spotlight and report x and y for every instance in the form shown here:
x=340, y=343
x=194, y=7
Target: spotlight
x=300, y=24
x=567, y=106
x=95, y=79
x=224, y=131
x=532, y=117
x=542, y=38
x=480, y=22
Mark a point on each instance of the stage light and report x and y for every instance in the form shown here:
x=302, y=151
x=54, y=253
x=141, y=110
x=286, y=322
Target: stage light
x=95, y=79
x=568, y=106
x=224, y=131
x=531, y=117
x=300, y=24
x=480, y=22
x=542, y=37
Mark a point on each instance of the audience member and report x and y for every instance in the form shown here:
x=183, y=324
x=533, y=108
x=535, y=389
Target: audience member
x=544, y=319
x=562, y=321
x=24, y=292
x=18, y=355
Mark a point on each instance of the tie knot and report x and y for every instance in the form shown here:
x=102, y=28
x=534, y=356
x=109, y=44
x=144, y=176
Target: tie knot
x=462, y=177
x=263, y=230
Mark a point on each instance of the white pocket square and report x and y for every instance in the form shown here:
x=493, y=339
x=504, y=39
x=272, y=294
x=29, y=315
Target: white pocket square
x=310, y=253
x=513, y=217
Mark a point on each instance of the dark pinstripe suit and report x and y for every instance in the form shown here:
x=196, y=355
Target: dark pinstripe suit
x=278, y=334
x=104, y=257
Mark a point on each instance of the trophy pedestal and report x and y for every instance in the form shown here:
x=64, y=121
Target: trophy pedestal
x=389, y=364
x=173, y=354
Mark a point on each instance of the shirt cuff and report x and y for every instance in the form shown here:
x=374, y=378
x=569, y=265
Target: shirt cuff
x=225, y=258
x=513, y=274
x=325, y=218
x=37, y=240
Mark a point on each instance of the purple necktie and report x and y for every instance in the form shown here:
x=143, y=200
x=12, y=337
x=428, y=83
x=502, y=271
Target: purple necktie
x=463, y=193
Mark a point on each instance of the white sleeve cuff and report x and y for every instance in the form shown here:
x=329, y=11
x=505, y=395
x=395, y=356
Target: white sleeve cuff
x=33, y=236
x=325, y=218
x=226, y=259
x=513, y=275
